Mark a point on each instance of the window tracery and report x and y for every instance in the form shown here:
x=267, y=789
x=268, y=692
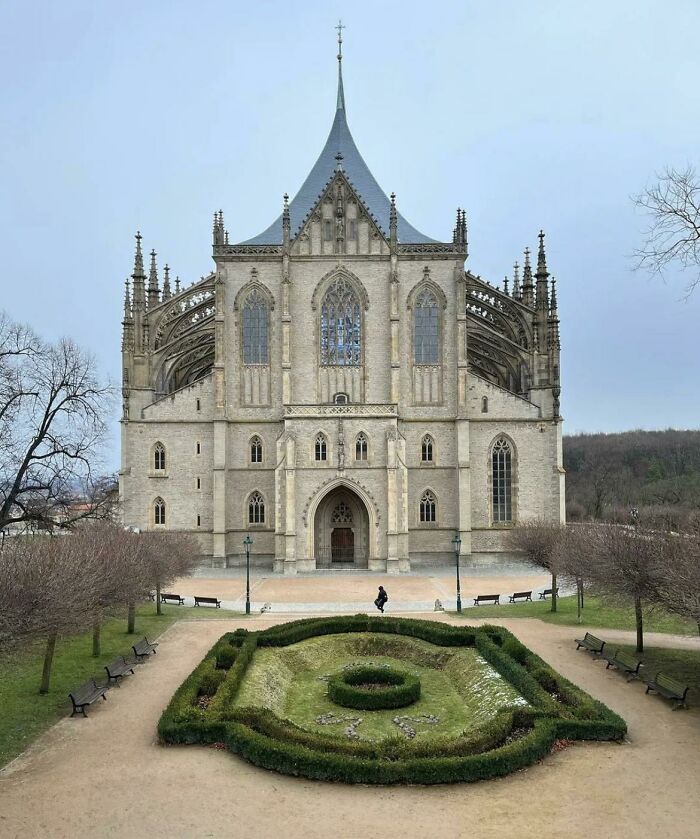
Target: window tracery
x=502, y=481
x=426, y=329
x=256, y=509
x=340, y=325
x=342, y=514
x=256, y=450
x=159, y=512
x=427, y=449
x=255, y=329
x=428, y=507
x=159, y=457
x=361, y=447
x=321, y=448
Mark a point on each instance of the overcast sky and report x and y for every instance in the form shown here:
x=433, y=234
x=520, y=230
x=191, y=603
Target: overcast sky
x=151, y=115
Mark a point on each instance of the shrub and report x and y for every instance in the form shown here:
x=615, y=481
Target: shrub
x=225, y=656
x=350, y=690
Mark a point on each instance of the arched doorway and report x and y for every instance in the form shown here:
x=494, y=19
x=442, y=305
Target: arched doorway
x=341, y=530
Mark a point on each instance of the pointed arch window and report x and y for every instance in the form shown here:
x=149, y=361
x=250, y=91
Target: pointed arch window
x=256, y=509
x=426, y=329
x=502, y=481
x=321, y=448
x=256, y=450
x=428, y=507
x=361, y=447
x=341, y=322
x=427, y=449
x=159, y=512
x=255, y=332
x=159, y=457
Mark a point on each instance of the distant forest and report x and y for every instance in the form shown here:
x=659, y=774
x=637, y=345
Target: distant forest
x=656, y=472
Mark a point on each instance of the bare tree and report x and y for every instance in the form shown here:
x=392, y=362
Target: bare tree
x=168, y=555
x=624, y=564
x=47, y=589
x=673, y=234
x=678, y=587
x=52, y=409
x=539, y=540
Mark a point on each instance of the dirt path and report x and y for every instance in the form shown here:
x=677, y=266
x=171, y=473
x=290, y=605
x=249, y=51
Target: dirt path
x=106, y=776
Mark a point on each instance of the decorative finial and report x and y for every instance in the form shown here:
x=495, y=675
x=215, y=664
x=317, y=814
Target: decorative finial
x=553, y=300
x=177, y=285
x=339, y=162
x=166, y=283
x=127, y=300
x=541, y=258
x=505, y=285
x=153, y=291
x=528, y=296
x=138, y=258
x=516, y=281
x=340, y=101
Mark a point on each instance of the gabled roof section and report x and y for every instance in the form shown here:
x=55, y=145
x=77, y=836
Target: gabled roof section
x=340, y=141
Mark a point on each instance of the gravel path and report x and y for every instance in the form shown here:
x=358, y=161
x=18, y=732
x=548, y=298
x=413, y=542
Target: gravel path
x=106, y=776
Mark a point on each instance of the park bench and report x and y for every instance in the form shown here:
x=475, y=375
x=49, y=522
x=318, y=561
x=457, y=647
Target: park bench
x=520, y=595
x=624, y=662
x=164, y=598
x=144, y=648
x=547, y=592
x=118, y=668
x=207, y=601
x=591, y=643
x=670, y=688
x=85, y=695
x=486, y=598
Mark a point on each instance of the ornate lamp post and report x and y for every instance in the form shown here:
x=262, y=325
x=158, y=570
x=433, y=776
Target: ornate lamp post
x=247, y=542
x=457, y=542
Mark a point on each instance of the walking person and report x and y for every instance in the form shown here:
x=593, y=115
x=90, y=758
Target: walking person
x=382, y=598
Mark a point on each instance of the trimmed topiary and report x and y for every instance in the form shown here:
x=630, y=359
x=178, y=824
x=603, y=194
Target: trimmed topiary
x=511, y=740
x=370, y=688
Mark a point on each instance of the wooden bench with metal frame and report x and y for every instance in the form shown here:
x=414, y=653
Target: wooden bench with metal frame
x=669, y=688
x=207, y=601
x=85, y=695
x=520, y=595
x=591, y=643
x=624, y=662
x=486, y=598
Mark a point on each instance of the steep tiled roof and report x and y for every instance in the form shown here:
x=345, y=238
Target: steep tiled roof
x=356, y=170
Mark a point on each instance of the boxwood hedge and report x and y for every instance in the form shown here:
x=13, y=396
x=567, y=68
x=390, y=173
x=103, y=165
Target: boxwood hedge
x=397, y=690
x=512, y=740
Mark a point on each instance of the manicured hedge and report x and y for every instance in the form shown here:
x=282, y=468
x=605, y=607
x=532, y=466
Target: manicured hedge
x=399, y=688
x=512, y=740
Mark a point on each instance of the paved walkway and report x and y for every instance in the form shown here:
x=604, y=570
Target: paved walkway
x=106, y=775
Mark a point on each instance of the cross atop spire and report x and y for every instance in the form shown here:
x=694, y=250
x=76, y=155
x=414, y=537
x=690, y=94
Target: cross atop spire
x=340, y=102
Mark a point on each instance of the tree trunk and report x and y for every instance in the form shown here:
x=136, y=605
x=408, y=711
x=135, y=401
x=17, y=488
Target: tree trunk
x=96, y=627
x=554, y=592
x=48, y=661
x=640, y=625
x=131, y=619
x=159, y=611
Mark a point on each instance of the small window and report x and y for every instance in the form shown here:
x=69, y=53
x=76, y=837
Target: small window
x=159, y=457
x=159, y=512
x=327, y=230
x=341, y=399
x=256, y=509
x=361, y=447
x=256, y=450
x=484, y=404
x=199, y=483
x=199, y=447
x=426, y=449
x=199, y=520
x=428, y=506
x=320, y=450
x=199, y=405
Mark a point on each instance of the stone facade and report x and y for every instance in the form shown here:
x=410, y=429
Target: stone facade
x=291, y=393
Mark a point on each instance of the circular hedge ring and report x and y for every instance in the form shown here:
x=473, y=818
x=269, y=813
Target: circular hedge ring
x=370, y=688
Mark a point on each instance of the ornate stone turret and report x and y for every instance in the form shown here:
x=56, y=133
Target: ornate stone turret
x=505, y=285
x=392, y=222
x=127, y=322
x=167, y=294
x=139, y=295
x=153, y=288
x=285, y=223
x=516, y=281
x=528, y=292
x=219, y=234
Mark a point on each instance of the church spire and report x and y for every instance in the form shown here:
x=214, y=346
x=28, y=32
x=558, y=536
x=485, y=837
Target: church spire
x=542, y=274
x=340, y=101
x=139, y=277
x=153, y=290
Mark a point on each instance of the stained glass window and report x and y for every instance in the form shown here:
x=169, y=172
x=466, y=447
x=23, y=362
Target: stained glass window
x=502, y=481
x=426, y=329
x=428, y=506
x=255, y=329
x=256, y=509
x=340, y=325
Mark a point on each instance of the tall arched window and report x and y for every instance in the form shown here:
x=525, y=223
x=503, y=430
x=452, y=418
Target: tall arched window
x=255, y=329
x=256, y=509
x=159, y=457
x=159, y=511
x=426, y=329
x=340, y=325
x=502, y=480
x=256, y=450
x=321, y=448
x=428, y=507
x=426, y=449
x=360, y=447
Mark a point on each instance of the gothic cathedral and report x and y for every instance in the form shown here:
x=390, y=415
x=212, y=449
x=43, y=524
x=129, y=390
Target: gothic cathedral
x=341, y=388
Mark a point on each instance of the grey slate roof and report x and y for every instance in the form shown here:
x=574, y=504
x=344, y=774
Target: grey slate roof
x=356, y=170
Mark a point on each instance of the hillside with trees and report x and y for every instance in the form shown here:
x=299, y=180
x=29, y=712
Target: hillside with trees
x=656, y=472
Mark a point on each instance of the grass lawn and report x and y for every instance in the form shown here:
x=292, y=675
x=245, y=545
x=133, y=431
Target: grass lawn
x=458, y=688
x=594, y=614
x=683, y=665
x=24, y=714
